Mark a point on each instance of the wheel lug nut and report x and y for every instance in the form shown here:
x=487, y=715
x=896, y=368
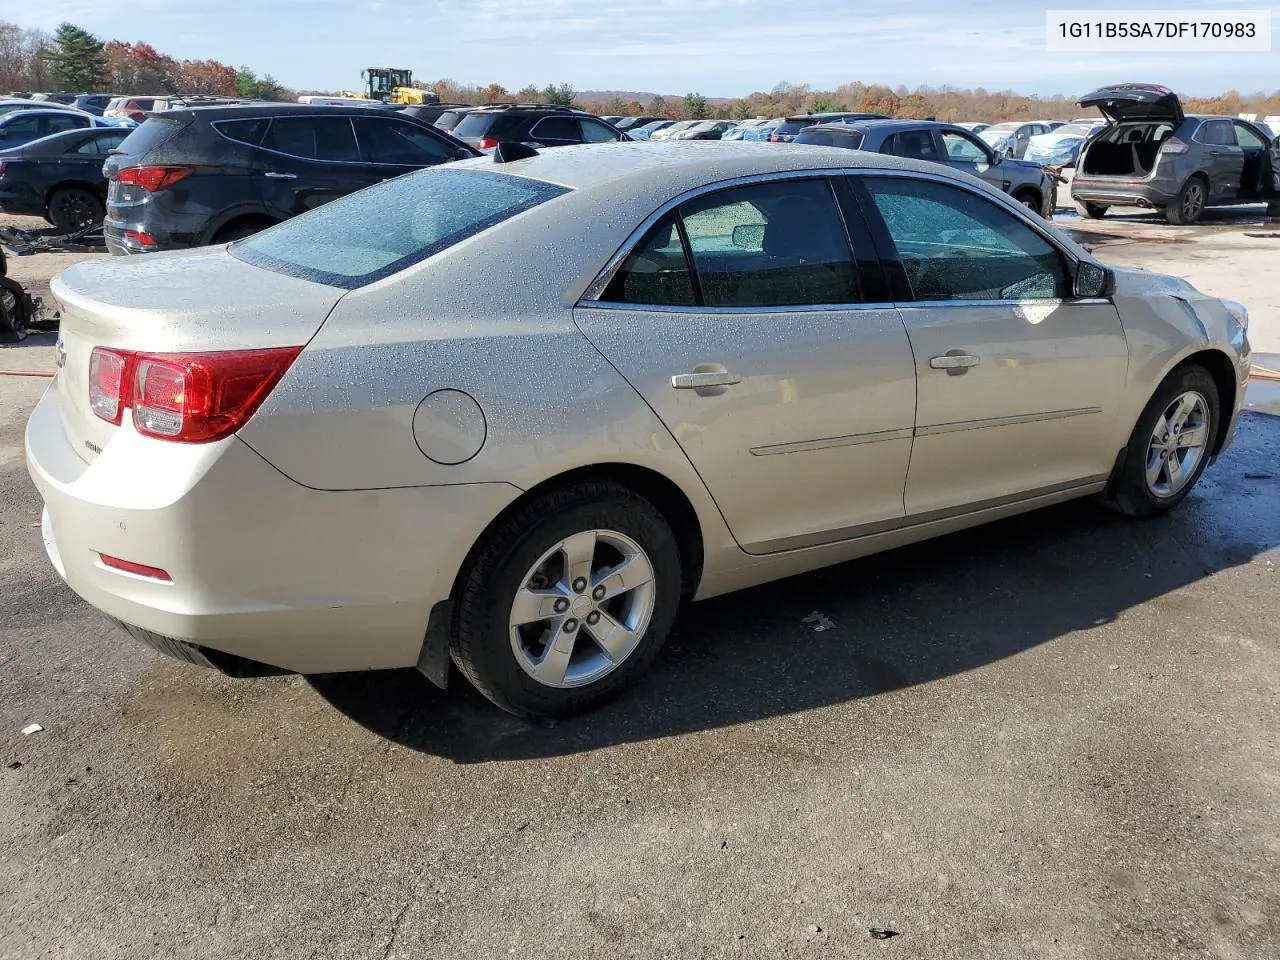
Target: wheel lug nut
x=570, y=625
x=598, y=594
x=579, y=585
x=593, y=618
x=562, y=605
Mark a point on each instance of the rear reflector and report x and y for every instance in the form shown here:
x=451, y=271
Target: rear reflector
x=187, y=397
x=152, y=179
x=138, y=569
x=140, y=238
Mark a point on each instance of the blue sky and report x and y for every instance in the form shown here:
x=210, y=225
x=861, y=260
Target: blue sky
x=716, y=47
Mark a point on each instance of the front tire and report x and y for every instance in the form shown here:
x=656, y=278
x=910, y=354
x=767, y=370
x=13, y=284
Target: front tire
x=567, y=601
x=1170, y=445
x=1190, y=202
x=1029, y=199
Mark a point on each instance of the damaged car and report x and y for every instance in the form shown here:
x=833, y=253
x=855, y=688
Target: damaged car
x=1154, y=155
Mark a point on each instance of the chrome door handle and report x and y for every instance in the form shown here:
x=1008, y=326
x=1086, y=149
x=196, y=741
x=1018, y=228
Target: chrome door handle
x=695, y=381
x=953, y=363
x=280, y=176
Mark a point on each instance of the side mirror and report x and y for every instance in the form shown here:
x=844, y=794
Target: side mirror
x=1093, y=281
x=749, y=236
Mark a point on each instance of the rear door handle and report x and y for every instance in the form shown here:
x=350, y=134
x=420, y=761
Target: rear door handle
x=954, y=362
x=696, y=381
x=280, y=176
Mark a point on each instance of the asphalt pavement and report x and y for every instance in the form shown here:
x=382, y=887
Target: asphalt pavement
x=1052, y=737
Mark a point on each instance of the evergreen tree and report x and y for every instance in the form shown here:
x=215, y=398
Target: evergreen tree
x=77, y=62
x=695, y=106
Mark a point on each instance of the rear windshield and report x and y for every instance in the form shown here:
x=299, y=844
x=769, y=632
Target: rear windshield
x=790, y=127
x=486, y=125
x=379, y=231
x=148, y=135
x=851, y=139
x=449, y=119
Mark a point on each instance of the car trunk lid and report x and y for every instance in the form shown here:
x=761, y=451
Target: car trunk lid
x=1135, y=101
x=185, y=302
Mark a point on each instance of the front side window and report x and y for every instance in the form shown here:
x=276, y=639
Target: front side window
x=955, y=245
x=1246, y=138
x=593, y=132
x=960, y=147
x=62, y=124
x=393, y=141
x=1216, y=133
x=383, y=229
x=101, y=145
x=313, y=138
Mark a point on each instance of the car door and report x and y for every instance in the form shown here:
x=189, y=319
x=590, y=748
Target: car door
x=309, y=160
x=393, y=147
x=969, y=154
x=85, y=160
x=1018, y=383
x=764, y=344
x=1259, y=157
x=1224, y=159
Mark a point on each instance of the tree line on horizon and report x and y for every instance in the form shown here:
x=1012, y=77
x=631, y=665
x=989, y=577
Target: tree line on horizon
x=73, y=60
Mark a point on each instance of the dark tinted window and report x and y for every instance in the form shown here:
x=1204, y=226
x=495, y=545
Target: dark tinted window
x=955, y=245
x=1218, y=133
x=142, y=103
x=559, y=129
x=449, y=119
x=374, y=233
x=790, y=127
x=772, y=244
x=22, y=124
x=394, y=141
x=62, y=124
x=488, y=125
x=244, y=131
x=150, y=134
x=656, y=272
x=313, y=138
x=916, y=144
x=825, y=137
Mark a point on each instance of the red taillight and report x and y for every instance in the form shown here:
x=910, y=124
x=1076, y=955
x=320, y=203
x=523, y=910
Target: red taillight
x=138, y=569
x=774, y=138
x=486, y=143
x=152, y=179
x=142, y=239
x=187, y=397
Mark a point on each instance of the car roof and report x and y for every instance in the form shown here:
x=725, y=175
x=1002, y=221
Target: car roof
x=636, y=169
x=40, y=111
x=893, y=124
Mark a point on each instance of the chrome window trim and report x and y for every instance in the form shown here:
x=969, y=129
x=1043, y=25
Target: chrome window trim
x=595, y=290
x=729, y=311
x=533, y=130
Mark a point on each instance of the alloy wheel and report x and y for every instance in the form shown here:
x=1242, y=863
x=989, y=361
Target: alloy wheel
x=1193, y=201
x=582, y=609
x=1178, y=444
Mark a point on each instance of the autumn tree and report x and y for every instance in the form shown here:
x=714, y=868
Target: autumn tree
x=740, y=110
x=495, y=93
x=528, y=94
x=658, y=107
x=77, y=62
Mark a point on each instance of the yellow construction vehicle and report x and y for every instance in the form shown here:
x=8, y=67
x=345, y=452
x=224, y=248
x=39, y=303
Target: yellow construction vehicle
x=391, y=85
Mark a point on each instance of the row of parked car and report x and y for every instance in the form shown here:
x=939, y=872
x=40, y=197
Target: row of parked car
x=195, y=174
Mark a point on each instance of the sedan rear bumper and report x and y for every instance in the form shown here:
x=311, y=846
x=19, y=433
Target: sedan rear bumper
x=261, y=567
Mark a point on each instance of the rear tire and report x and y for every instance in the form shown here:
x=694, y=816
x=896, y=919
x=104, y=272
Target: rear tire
x=1155, y=475
x=239, y=230
x=75, y=208
x=1190, y=202
x=534, y=632
x=1091, y=211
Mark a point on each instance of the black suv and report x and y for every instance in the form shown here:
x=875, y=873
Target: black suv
x=536, y=124
x=190, y=177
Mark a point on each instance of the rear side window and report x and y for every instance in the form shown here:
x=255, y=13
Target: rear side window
x=556, y=130
x=151, y=133
x=393, y=141
x=486, y=125
x=379, y=231
x=850, y=139
x=449, y=119
x=248, y=132
x=916, y=144
x=313, y=138
x=656, y=272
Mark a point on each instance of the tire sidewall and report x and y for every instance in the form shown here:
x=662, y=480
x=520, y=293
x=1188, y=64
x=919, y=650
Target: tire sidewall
x=71, y=228
x=1133, y=494
x=1173, y=213
x=483, y=628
